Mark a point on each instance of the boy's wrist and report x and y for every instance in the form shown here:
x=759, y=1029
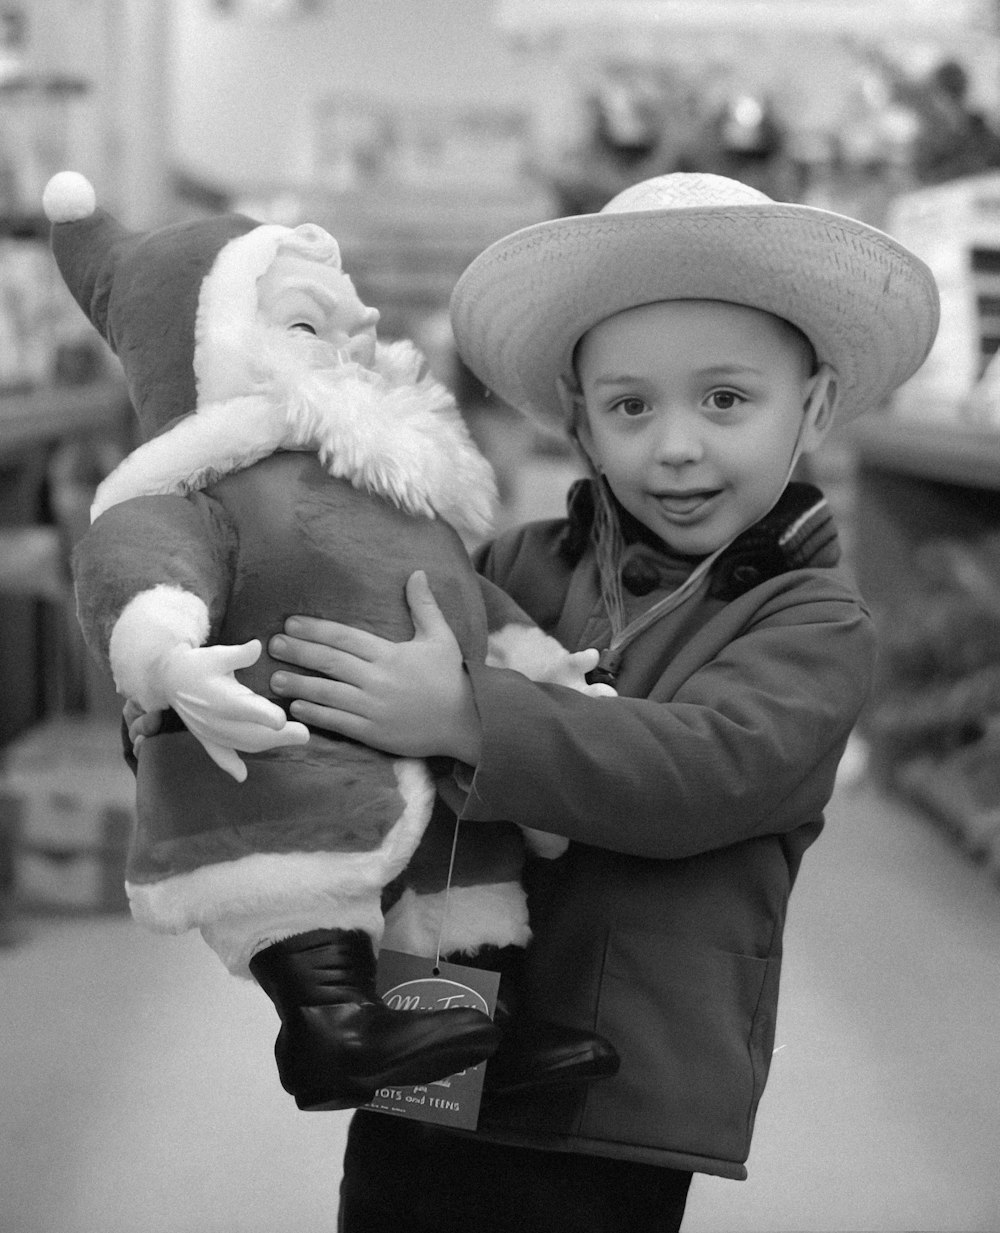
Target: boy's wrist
x=466, y=741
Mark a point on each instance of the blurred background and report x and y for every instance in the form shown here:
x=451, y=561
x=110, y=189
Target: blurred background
x=137, y=1089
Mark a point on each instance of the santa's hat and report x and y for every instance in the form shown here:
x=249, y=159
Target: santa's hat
x=152, y=295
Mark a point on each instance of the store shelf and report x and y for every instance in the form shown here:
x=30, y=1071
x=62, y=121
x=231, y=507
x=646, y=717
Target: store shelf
x=35, y=428
x=46, y=415
x=928, y=451
x=919, y=484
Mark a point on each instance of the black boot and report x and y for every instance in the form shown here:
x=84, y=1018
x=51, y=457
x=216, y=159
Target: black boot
x=339, y=1042
x=535, y=1053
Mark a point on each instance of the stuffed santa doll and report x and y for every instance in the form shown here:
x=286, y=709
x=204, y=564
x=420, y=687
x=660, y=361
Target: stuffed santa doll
x=290, y=463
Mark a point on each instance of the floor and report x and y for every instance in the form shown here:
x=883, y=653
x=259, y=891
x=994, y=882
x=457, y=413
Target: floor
x=138, y=1092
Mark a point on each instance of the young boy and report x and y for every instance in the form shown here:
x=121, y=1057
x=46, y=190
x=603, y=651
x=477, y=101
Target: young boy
x=695, y=338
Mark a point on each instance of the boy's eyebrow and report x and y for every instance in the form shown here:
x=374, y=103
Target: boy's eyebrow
x=615, y=379
x=712, y=370
x=725, y=369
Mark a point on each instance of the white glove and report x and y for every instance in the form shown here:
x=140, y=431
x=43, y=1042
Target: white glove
x=158, y=661
x=199, y=684
x=533, y=653
x=574, y=674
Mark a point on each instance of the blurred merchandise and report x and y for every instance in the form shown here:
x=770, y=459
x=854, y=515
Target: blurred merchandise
x=39, y=118
x=838, y=105
x=962, y=791
x=936, y=713
x=362, y=140
x=72, y=795
x=42, y=334
x=628, y=121
x=955, y=227
x=26, y=316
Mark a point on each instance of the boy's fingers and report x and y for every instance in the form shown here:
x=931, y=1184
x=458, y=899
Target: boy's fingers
x=331, y=719
x=336, y=665
x=316, y=689
x=331, y=634
x=427, y=616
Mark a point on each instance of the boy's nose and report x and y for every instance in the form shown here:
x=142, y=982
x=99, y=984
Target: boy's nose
x=678, y=441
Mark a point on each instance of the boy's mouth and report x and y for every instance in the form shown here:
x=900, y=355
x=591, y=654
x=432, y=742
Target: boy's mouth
x=685, y=504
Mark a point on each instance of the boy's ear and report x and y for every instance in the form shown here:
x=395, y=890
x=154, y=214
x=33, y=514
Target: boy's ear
x=821, y=403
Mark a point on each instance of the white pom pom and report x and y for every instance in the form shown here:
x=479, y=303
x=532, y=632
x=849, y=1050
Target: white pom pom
x=68, y=196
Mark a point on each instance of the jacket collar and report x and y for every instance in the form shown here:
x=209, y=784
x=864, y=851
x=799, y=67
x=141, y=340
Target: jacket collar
x=797, y=533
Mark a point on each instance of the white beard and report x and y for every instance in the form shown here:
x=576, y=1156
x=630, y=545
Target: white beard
x=393, y=431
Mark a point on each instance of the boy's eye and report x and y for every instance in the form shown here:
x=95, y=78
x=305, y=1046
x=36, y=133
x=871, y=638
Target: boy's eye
x=724, y=400
x=630, y=406
x=303, y=325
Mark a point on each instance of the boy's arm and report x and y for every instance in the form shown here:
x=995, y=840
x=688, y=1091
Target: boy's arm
x=747, y=743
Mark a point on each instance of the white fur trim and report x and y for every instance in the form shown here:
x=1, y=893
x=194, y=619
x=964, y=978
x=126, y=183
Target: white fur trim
x=199, y=449
x=536, y=655
x=227, y=301
x=68, y=197
x=401, y=439
x=237, y=940
x=152, y=622
x=268, y=885
x=495, y=914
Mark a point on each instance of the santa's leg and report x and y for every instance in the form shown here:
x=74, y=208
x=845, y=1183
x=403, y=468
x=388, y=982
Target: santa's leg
x=306, y=926
x=478, y=916
x=338, y=1041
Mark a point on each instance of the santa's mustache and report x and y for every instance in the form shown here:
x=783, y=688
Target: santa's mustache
x=273, y=353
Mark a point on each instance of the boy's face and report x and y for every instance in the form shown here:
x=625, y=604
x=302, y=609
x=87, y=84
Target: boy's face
x=306, y=296
x=692, y=411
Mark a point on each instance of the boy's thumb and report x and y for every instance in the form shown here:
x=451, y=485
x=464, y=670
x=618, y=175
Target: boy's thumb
x=427, y=616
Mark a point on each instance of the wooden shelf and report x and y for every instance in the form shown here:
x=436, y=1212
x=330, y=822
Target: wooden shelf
x=51, y=414
x=918, y=483
x=929, y=451
x=33, y=425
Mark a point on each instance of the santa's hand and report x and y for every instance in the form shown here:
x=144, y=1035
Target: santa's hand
x=542, y=659
x=225, y=716
x=579, y=664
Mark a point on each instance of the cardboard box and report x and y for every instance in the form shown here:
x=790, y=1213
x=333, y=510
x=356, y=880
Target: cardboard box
x=72, y=795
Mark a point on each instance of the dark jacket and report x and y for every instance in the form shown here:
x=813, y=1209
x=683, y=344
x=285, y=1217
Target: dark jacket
x=689, y=802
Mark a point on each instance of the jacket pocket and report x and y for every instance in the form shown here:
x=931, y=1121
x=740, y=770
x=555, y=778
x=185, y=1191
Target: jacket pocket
x=695, y=1029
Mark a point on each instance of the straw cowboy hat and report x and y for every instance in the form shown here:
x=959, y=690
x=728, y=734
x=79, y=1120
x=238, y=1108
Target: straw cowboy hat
x=868, y=305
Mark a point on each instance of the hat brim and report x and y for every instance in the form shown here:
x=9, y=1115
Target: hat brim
x=867, y=304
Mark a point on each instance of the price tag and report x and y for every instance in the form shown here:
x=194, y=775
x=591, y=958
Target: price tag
x=405, y=982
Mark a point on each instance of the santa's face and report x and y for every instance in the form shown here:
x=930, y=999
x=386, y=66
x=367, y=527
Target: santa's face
x=315, y=301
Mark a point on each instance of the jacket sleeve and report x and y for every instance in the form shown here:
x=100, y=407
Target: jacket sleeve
x=742, y=742
x=182, y=543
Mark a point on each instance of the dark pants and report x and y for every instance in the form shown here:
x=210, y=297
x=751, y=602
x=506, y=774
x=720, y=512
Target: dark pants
x=412, y=1178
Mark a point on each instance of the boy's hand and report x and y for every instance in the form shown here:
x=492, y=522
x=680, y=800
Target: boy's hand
x=408, y=698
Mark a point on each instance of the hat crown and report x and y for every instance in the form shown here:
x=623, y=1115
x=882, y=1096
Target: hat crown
x=685, y=190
